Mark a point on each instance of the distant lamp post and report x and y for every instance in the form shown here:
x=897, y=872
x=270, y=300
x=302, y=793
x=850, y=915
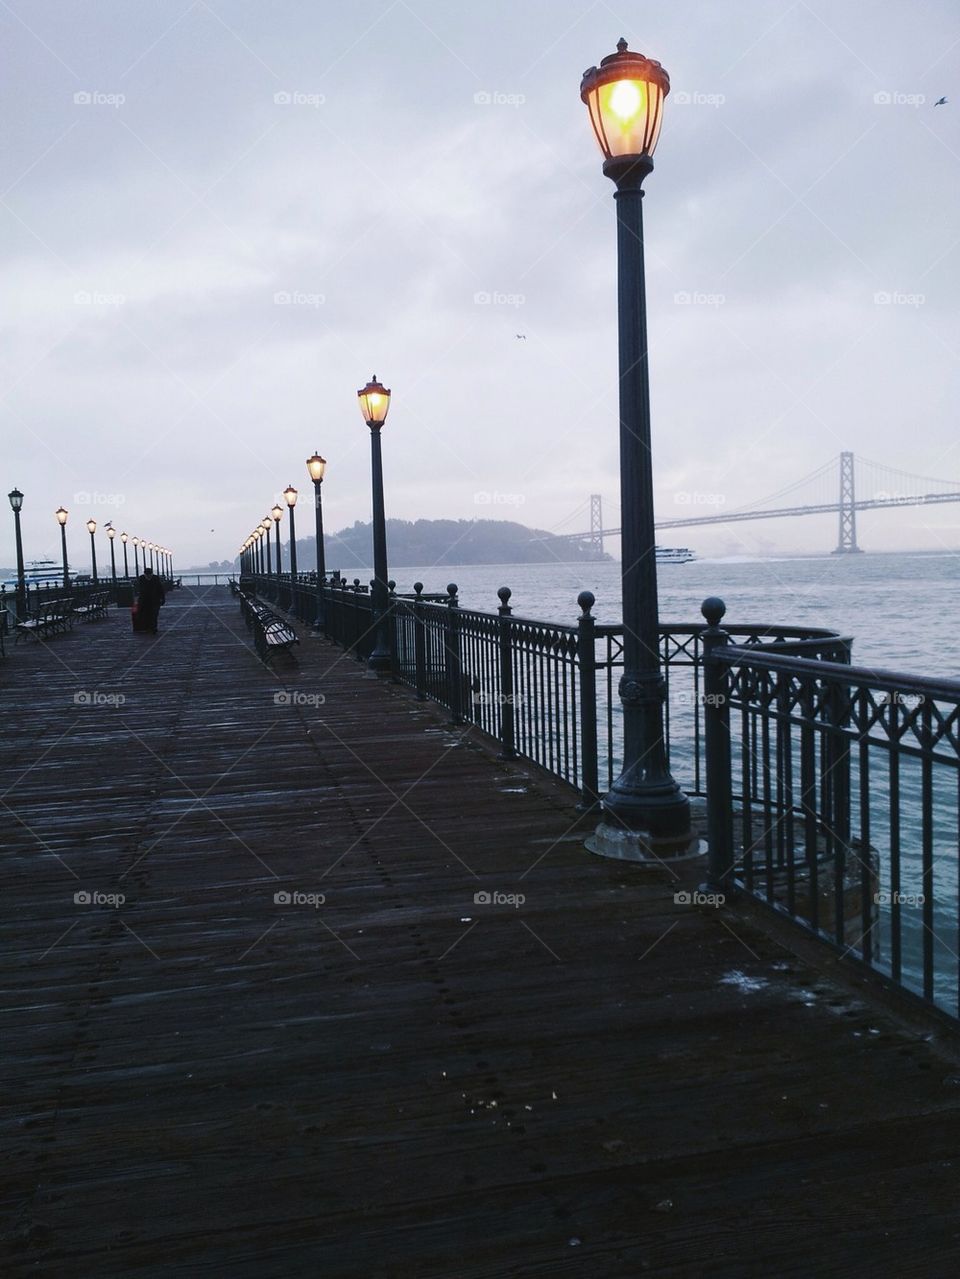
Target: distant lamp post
x=646, y=816
x=276, y=514
x=316, y=468
x=16, y=502
x=290, y=497
x=126, y=568
x=112, y=533
x=136, y=557
x=266, y=524
x=374, y=405
x=61, y=515
x=91, y=529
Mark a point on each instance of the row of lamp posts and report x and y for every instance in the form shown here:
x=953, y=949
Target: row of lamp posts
x=160, y=557
x=255, y=556
x=645, y=814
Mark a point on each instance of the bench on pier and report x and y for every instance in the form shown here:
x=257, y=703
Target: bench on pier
x=48, y=618
x=272, y=634
x=92, y=608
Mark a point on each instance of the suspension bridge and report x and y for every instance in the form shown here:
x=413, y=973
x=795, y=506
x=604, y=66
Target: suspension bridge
x=831, y=489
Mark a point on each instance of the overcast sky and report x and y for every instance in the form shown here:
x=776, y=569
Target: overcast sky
x=220, y=217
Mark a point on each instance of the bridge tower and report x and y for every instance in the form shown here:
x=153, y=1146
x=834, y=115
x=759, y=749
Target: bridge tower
x=596, y=522
x=847, y=543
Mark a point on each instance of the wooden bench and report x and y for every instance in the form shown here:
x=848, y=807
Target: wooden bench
x=93, y=607
x=49, y=618
x=271, y=633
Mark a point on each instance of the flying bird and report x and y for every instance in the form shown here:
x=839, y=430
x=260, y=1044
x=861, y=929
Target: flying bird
x=521, y=337
x=940, y=102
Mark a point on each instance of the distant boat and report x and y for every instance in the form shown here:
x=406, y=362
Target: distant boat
x=38, y=573
x=674, y=555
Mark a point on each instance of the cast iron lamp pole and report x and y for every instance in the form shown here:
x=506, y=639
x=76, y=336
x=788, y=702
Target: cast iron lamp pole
x=16, y=502
x=266, y=524
x=112, y=533
x=316, y=468
x=136, y=557
x=276, y=513
x=646, y=816
x=374, y=405
x=61, y=515
x=290, y=496
x=91, y=529
x=126, y=567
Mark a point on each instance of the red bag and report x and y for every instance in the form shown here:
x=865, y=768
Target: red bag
x=135, y=618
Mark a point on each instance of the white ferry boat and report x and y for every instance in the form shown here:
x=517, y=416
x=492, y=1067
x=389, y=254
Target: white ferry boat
x=674, y=555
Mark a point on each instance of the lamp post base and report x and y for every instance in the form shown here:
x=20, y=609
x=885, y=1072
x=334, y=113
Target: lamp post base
x=378, y=664
x=624, y=845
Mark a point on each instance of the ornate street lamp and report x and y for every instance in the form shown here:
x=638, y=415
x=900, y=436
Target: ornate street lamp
x=266, y=524
x=126, y=568
x=61, y=515
x=290, y=497
x=646, y=816
x=16, y=502
x=374, y=405
x=276, y=514
x=136, y=557
x=112, y=533
x=316, y=467
x=91, y=529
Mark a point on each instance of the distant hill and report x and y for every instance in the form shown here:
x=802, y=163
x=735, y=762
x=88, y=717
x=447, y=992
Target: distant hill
x=417, y=542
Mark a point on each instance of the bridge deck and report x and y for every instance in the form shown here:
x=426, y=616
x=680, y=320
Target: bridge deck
x=401, y=1082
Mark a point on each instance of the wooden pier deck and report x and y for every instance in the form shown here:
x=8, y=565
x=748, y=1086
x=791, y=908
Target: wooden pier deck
x=204, y=1080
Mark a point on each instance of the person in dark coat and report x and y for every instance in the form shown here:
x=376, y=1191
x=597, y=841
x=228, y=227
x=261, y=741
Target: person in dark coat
x=150, y=596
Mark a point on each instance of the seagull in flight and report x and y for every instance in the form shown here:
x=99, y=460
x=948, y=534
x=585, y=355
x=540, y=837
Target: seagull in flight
x=940, y=102
x=521, y=337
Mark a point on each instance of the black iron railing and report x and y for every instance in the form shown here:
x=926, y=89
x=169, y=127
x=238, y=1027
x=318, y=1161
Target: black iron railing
x=832, y=790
